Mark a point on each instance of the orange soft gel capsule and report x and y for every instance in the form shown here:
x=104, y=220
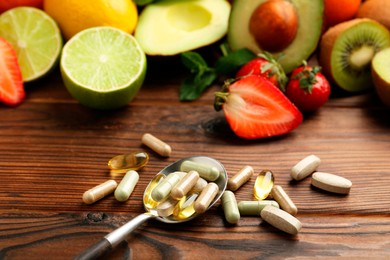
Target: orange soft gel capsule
x=74, y=16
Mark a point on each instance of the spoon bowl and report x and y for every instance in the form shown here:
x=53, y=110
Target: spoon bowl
x=112, y=239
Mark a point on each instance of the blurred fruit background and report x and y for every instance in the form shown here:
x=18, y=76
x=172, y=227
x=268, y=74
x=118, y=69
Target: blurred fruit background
x=214, y=39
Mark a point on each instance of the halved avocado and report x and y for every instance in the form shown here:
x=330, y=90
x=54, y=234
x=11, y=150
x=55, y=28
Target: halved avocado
x=310, y=20
x=170, y=27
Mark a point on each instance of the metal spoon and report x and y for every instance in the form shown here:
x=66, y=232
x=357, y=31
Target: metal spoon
x=112, y=239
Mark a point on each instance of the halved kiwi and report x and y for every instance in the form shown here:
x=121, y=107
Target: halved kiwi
x=346, y=51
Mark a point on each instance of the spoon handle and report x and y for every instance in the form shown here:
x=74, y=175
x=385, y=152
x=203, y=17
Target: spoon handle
x=111, y=240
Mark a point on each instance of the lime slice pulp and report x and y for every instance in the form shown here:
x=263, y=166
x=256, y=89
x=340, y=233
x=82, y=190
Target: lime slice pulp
x=103, y=67
x=35, y=37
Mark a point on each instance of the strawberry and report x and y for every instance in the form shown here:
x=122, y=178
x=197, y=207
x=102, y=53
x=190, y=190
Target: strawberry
x=267, y=66
x=308, y=89
x=256, y=108
x=11, y=81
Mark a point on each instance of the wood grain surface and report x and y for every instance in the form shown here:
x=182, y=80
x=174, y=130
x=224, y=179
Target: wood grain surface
x=52, y=150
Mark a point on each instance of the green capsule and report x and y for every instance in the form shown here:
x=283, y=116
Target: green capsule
x=253, y=208
x=230, y=208
x=149, y=202
x=263, y=185
x=126, y=186
x=163, y=189
x=210, y=173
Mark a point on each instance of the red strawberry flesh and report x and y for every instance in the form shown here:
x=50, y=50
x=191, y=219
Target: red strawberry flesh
x=11, y=81
x=256, y=108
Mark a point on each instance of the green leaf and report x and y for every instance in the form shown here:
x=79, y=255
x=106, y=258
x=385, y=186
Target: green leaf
x=193, y=86
x=233, y=61
x=193, y=61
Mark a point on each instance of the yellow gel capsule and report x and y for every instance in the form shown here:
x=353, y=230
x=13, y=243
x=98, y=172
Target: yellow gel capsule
x=149, y=202
x=126, y=186
x=163, y=189
x=230, y=208
x=100, y=191
x=129, y=161
x=210, y=173
x=240, y=178
x=185, y=185
x=206, y=197
x=185, y=207
x=263, y=185
x=156, y=145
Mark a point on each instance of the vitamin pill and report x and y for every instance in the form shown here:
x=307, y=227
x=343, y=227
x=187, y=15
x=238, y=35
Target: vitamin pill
x=185, y=207
x=281, y=220
x=284, y=200
x=240, y=178
x=263, y=185
x=331, y=182
x=126, y=186
x=185, y=185
x=165, y=209
x=253, y=208
x=156, y=145
x=230, y=208
x=199, y=186
x=162, y=190
x=100, y=191
x=129, y=161
x=206, y=197
x=305, y=167
x=149, y=202
x=210, y=173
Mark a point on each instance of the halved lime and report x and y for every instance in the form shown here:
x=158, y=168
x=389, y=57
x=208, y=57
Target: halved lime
x=103, y=67
x=35, y=37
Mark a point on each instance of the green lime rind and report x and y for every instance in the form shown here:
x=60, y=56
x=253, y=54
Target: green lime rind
x=368, y=33
x=36, y=38
x=103, y=67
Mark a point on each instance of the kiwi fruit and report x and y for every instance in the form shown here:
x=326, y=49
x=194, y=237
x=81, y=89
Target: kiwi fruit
x=381, y=75
x=346, y=51
x=378, y=10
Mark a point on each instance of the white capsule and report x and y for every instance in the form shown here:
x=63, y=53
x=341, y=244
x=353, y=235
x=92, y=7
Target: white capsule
x=281, y=220
x=305, y=167
x=331, y=182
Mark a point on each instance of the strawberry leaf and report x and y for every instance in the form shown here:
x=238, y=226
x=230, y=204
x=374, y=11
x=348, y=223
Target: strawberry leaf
x=233, y=61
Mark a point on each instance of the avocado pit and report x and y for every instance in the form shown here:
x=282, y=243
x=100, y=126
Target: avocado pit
x=274, y=25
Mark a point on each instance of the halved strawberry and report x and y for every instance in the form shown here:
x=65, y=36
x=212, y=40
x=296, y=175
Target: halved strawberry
x=11, y=81
x=256, y=108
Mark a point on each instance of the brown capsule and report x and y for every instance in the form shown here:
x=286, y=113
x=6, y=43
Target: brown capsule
x=240, y=178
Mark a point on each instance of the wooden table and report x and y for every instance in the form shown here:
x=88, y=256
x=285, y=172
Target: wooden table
x=52, y=150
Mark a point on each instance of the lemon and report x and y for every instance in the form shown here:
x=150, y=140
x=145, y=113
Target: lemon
x=103, y=67
x=35, y=37
x=74, y=16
